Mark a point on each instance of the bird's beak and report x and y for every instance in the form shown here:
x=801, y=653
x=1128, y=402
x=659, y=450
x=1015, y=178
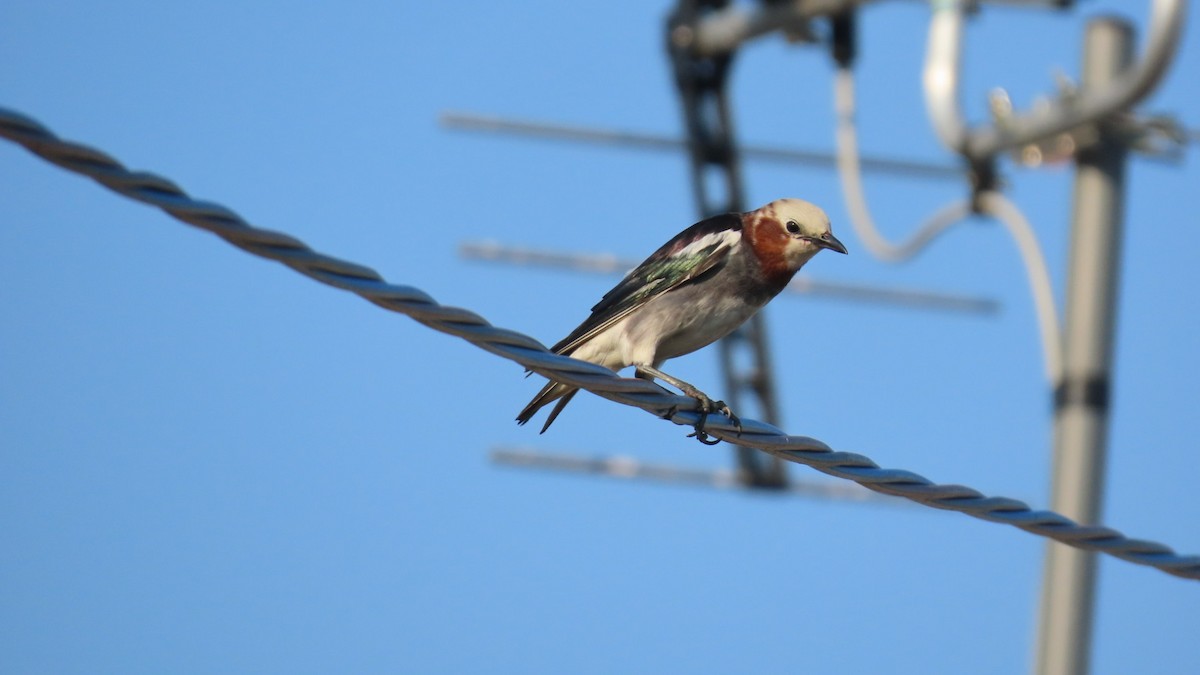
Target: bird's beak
x=831, y=243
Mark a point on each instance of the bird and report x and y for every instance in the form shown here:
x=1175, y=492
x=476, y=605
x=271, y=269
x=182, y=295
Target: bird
x=694, y=290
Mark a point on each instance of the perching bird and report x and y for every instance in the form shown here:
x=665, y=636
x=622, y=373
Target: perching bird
x=695, y=290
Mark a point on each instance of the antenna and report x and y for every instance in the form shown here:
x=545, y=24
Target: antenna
x=1094, y=125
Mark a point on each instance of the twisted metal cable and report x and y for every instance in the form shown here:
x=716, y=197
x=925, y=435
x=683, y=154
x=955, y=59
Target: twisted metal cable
x=368, y=284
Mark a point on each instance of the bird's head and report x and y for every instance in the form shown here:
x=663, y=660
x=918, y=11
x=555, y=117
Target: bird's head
x=786, y=233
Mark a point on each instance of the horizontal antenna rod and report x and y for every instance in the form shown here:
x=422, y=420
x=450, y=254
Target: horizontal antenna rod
x=643, y=141
x=803, y=285
x=722, y=479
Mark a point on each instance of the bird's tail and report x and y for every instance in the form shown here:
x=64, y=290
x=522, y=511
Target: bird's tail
x=563, y=393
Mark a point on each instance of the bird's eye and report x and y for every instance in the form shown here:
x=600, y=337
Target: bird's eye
x=792, y=227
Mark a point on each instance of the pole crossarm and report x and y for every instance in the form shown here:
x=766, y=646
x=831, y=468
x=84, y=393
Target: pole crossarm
x=416, y=304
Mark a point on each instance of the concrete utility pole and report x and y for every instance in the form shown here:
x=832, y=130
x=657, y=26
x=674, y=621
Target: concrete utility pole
x=1082, y=397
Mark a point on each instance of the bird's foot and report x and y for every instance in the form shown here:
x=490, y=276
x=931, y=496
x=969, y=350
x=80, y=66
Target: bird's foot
x=699, y=433
x=707, y=405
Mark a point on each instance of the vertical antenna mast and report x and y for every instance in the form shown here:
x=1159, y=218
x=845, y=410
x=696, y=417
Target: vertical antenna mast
x=717, y=182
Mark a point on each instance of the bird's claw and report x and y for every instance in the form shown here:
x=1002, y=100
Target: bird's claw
x=707, y=405
x=703, y=437
x=733, y=419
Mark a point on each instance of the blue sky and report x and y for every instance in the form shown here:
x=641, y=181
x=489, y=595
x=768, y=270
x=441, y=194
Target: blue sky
x=211, y=464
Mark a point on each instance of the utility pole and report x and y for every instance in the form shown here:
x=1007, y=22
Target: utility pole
x=1082, y=399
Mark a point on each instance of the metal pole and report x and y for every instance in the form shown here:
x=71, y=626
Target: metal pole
x=1082, y=397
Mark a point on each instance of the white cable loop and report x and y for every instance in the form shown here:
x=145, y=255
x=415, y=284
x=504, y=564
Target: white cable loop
x=991, y=202
x=1037, y=272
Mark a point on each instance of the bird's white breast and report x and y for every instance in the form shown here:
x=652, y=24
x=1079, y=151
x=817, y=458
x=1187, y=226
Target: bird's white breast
x=680, y=321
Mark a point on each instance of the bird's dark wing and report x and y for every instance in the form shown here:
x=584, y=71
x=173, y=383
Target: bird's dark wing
x=698, y=249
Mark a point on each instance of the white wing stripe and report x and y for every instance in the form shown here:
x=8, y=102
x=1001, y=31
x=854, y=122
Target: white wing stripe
x=723, y=238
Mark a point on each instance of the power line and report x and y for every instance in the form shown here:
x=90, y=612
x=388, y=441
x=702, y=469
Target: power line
x=368, y=284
